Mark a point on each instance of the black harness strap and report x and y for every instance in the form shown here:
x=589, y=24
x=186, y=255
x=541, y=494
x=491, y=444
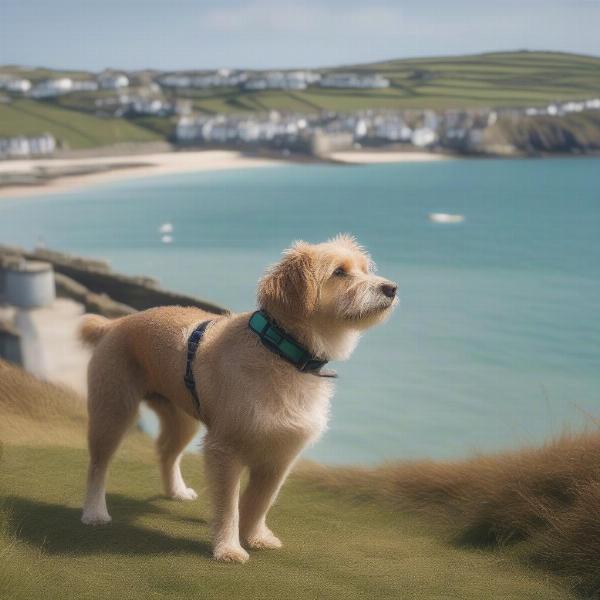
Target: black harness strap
x=193, y=343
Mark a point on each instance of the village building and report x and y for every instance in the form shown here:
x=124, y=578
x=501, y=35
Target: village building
x=353, y=80
x=22, y=146
x=52, y=87
x=109, y=80
x=84, y=85
x=16, y=85
x=219, y=78
x=423, y=137
x=282, y=80
x=392, y=129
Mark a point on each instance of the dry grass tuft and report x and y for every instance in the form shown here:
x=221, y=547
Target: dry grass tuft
x=570, y=543
x=545, y=501
x=35, y=412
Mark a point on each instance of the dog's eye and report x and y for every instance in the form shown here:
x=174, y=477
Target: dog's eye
x=340, y=272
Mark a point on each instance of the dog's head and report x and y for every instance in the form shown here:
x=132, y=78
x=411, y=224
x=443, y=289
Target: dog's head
x=333, y=282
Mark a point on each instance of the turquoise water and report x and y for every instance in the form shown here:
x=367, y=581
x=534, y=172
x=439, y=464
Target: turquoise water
x=497, y=340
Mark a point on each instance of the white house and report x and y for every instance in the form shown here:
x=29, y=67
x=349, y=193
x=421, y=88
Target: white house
x=573, y=106
x=52, y=87
x=189, y=129
x=220, y=78
x=353, y=80
x=223, y=129
x=361, y=128
x=423, y=137
x=112, y=81
x=176, y=81
x=282, y=80
x=151, y=106
x=84, y=85
x=22, y=146
x=393, y=129
x=16, y=85
x=593, y=104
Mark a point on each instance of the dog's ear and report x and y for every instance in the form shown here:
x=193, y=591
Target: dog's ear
x=291, y=284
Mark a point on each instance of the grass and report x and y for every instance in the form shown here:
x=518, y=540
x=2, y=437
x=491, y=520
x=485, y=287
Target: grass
x=73, y=129
x=491, y=80
x=37, y=74
x=539, y=504
x=334, y=546
x=502, y=79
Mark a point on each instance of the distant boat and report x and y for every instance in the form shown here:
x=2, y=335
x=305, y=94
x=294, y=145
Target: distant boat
x=445, y=218
x=166, y=228
x=166, y=239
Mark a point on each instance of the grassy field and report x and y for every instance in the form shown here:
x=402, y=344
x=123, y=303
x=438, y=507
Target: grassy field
x=334, y=545
x=73, y=129
x=539, y=504
x=490, y=80
x=487, y=80
x=36, y=74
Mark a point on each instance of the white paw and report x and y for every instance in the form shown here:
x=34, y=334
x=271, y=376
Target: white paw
x=231, y=553
x=184, y=494
x=93, y=518
x=264, y=540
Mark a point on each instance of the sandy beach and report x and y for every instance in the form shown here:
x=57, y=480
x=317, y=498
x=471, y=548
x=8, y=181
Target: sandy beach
x=118, y=168
x=72, y=174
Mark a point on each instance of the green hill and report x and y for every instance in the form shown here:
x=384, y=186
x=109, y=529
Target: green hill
x=339, y=541
x=491, y=80
x=502, y=79
x=72, y=128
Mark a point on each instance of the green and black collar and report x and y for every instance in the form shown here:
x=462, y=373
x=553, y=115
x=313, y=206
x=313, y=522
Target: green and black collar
x=283, y=344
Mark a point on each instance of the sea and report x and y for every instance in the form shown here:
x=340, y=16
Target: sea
x=496, y=342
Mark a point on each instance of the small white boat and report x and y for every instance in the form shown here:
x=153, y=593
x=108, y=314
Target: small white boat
x=166, y=228
x=166, y=239
x=445, y=218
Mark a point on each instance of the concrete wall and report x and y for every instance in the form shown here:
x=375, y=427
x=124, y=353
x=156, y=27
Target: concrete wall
x=30, y=285
x=323, y=143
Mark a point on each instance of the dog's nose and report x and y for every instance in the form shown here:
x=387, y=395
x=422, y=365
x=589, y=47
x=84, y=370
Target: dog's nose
x=389, y=289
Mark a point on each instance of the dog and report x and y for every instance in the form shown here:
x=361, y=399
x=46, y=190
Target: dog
x=260, y=408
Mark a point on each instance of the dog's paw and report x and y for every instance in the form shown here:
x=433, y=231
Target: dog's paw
x=184, y=493
x=89, y=518
x=231, y=554
x=264, y=540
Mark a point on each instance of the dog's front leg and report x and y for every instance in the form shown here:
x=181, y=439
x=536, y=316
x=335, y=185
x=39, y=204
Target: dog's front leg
x=223, y=472
x=263, y=486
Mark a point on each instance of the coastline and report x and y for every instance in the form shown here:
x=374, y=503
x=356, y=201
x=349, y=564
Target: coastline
x=73, y=174
x=39, y=177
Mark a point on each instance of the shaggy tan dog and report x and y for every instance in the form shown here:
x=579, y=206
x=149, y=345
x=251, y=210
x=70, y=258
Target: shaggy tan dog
x=260, y=410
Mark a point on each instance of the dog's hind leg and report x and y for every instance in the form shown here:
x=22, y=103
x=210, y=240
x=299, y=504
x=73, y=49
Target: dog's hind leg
x=113, y=401
x=177, y=430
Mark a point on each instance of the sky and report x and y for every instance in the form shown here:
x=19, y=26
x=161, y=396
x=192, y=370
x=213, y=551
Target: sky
x=180, y=34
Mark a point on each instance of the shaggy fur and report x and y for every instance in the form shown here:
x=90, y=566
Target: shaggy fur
x=260, y=411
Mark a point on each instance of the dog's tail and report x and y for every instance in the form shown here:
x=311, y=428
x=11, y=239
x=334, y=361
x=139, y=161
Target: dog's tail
x=93, y=328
